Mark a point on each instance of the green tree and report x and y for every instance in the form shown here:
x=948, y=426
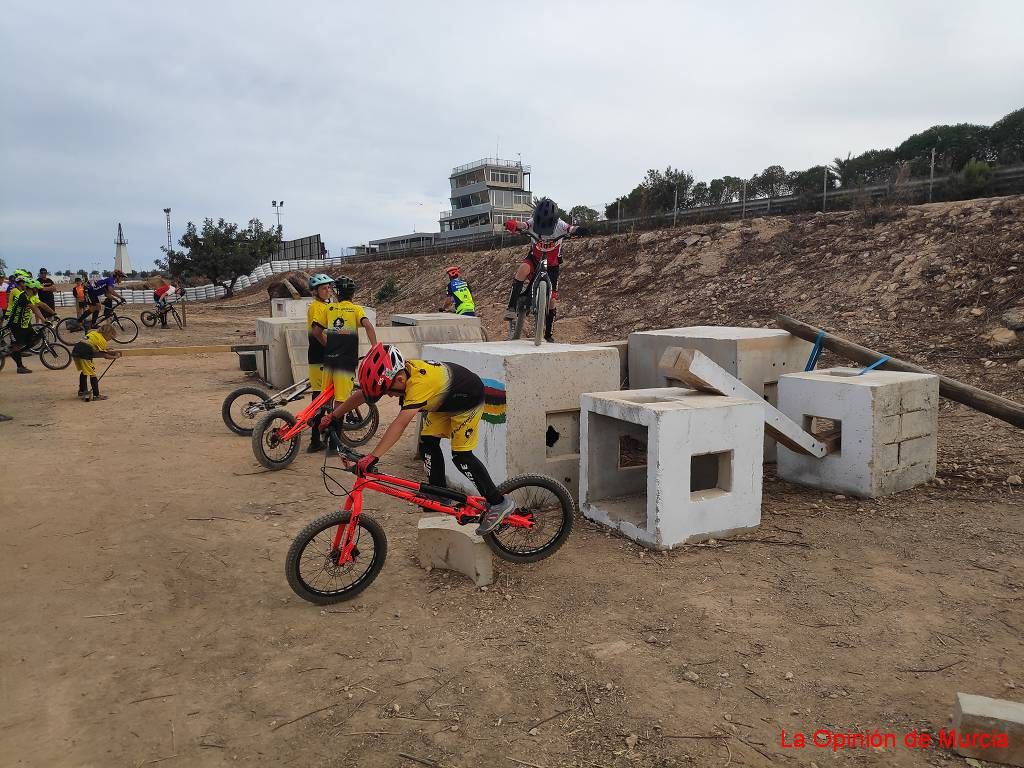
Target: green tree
x=772, y=182
x=1007, y=138
x=954, y=145
x=700, y=194
x=3, y=265
x=581, y=214
x=221, y=251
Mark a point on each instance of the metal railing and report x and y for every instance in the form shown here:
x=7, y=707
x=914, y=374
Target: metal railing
x=490, y=161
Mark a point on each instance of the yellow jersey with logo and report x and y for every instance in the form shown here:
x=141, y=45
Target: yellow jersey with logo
x=315, y=315
x=440, y=387
x=19, y=306
x=343, y=321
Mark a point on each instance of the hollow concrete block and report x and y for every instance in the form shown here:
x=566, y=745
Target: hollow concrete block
x=273, y=331
x=435, y=318
x=755, y=356
x=536, y=428
x=442, y=543
x=1001, y=721
x=888, y=423
x=670, y=466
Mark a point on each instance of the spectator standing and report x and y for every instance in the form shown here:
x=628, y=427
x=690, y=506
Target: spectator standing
x=46, y=292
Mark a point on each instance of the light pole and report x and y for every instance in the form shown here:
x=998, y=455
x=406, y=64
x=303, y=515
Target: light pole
x=277, y=212
x=167, y=213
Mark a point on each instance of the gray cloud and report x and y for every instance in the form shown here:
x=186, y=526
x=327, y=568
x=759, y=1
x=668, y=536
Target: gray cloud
x=354, y=114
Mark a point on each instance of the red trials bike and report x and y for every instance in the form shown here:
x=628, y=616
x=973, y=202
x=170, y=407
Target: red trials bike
x=276, y=437
x=339, y=554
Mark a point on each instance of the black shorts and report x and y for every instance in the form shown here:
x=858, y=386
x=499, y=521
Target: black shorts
x=26, y=337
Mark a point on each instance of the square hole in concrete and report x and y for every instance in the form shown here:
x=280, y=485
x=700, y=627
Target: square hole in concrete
x=826, y=430
x=710, y=475
x=616, y=483
x=562, y=436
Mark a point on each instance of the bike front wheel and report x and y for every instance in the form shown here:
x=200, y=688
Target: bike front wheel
x=56, y=357
x=148, y=319
x=363, y=425
x=127, y=329
x=543, y=298
x=243, y=408
x=177, y=318
x=549, y=507
x=69, y=330
x=312, y=567
x=270, y=449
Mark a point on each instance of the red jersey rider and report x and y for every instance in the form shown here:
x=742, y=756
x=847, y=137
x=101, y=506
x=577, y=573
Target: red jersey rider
x=546, y=225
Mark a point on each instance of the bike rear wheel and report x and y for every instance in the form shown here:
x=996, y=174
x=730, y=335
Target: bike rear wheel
x=69, y=330
x=362, y=427
x=548, y=503
x=268, y=447
x=148, y=318
x=127, y=329
x=543, y=294
x=177, y=318
x=243, y=408
x=311, y=565
x=55, y=356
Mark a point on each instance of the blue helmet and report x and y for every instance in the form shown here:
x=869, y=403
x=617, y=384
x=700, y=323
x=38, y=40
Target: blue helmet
x=319, y=279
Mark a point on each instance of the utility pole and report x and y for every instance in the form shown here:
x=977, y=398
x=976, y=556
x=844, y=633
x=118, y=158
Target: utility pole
x=675, y=205
x=277, y=211
x=618, y=216
x=167, y=213
x=824, y=189
x=931, y=176
x=743, y=199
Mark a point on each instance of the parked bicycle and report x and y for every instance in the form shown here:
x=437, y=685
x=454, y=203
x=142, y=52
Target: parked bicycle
x=245, y=406
x=536, y=296
x=339, y=554
x=52, y=355
x=69, y=330
x=276, y=438
x=150, y=317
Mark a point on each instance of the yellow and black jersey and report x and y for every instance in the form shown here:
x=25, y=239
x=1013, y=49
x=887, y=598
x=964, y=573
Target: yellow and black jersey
x=441, y=387
x=316, y=315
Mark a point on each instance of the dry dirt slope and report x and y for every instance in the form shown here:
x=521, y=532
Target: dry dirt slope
x=901, y=280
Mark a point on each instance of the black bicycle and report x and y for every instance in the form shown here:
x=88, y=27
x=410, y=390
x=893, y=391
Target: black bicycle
x=244, y=407
x=51, y=354
x=69, y=330
x=536, y=297
x=150, y=318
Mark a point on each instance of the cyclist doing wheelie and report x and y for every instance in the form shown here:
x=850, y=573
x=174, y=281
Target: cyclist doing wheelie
x=316, y=325
x=459, y=299
x=546, y=225
x=452, y=398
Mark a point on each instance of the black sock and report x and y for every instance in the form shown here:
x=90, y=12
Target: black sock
x=16, y=356
x=83, y=383
x=513, y=299
x=549, y=321
x=95, y=385
x=314, y=439
x=95, y=317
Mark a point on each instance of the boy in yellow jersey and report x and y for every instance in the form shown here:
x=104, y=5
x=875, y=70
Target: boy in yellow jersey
x=341, y=356
x=83, y=354
x=316, y=324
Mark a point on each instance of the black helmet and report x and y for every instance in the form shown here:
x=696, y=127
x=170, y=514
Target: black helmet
x=545, y=216
x=345, y=287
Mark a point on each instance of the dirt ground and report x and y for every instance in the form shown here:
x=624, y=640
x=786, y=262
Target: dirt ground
x=146, y=617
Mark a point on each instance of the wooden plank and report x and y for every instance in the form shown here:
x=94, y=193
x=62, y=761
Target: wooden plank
x=698, y=371
x=978, y=399
x=160, y=351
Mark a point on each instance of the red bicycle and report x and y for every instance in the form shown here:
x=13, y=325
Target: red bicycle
x=276, y=437
x=339, y=554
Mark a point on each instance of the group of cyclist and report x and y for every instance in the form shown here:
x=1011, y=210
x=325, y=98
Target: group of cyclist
x=22, y=306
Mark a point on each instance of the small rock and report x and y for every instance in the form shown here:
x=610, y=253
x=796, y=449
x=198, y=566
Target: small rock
x=631, y=740
x=693, y=677
x=1014, y=480
x=789, y=675
x=455, y=728
x=803, y=297
x=1014, y=319
x=977, y=312
x=839, y=497
x=608, y=686
x=999, y=337
x=535, y=731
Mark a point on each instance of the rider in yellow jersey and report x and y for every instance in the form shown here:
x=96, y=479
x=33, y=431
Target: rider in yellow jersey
x=316, y=325
x=344, y=319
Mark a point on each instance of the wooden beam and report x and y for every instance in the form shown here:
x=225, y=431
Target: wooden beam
x=978, y=399
x=157, y=351
x=698, y=371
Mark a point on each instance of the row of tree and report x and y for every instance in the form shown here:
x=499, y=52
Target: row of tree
x=958, y=148
x=221, y=251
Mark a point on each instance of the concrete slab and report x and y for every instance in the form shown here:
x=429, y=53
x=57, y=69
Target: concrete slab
x=887, y=425
x=989, y=729
x=622, y=347
x=297, y=341
x=272, y=331
x=755, y=356
x=433, y=318
x=442, y=543
x=410, y=339
x=670, y=466
x=537, y=428
x=697, y=371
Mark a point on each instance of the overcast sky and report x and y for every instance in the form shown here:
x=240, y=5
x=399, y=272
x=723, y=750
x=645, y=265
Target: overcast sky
x=354, y=113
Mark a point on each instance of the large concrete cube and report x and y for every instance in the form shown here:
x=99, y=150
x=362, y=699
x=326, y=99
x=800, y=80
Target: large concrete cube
x=273, y=332
x=538, y=428
x=670, y=466
x=887, y=423
x=755, y=356
x=433, y=318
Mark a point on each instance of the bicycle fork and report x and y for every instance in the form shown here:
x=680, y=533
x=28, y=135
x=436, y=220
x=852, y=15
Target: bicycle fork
x=343, y=548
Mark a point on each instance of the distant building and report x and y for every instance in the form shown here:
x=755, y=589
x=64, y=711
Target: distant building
x=485, y=194
x=403, y=242
x=121, y=260
x=311, y=247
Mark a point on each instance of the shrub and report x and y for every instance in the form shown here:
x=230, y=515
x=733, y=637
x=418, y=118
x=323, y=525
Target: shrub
x=388, y=290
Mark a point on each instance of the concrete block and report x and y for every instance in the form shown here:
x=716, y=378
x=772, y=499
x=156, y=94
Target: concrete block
x=868, y=462
x=434, y=318
x=294, y=308
x=622, y=347
x=670, y=466
x=918, y=424
x=698, y=371
x=272, y=331
x=410, y=339
x=537, y=429
x=755, y=356
x=442, y=543
x=989, y=729
x=917, y=399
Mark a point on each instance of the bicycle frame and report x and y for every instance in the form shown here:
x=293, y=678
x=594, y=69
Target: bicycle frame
x=468, y=509
x=303, y=417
